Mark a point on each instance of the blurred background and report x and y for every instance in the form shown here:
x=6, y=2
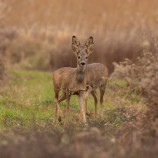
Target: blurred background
x=36, y=34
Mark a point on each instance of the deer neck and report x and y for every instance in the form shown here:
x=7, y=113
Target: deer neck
x=81, y=74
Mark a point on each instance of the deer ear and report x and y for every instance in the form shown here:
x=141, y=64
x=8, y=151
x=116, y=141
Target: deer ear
x=75, y=44
x=89, y=41
x=90, y=45
x=75, y=49
x=75, y=41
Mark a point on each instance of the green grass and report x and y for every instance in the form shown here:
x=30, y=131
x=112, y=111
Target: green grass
x=28, y=101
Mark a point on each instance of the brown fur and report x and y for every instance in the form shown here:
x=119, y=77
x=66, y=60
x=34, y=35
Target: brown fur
x=73, y=80
x=68, y=78
x=96, y=76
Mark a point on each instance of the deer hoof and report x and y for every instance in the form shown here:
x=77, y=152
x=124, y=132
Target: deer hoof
x=88, y=114
x=59, y=119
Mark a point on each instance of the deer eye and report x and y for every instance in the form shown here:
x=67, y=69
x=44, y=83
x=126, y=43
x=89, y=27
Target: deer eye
x=79, y=57
x=86, y=57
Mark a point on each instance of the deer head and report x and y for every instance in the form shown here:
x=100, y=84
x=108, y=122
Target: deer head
x=82, y=52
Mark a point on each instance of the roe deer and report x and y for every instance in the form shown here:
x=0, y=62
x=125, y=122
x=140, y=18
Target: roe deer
x=96, y=76
x=73, y=80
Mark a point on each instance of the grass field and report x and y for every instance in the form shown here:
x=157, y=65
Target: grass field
x=27, y=121
x=28, y=99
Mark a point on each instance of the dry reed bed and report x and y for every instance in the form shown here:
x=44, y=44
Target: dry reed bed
x=119, y=28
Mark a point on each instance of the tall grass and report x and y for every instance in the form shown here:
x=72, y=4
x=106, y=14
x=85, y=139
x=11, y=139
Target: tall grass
x=119, y=29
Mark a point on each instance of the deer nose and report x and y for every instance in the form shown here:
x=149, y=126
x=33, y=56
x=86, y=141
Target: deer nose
x=83, y=63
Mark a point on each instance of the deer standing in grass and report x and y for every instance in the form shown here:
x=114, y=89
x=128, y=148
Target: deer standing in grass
x=81, y=80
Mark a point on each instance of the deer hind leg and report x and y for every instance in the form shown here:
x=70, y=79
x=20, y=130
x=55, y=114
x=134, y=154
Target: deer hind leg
x=68, y=102
x=95, y=101
x=102, y=92
x=93, y=93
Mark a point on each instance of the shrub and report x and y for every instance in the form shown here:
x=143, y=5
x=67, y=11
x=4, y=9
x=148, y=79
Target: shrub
x=142, y=75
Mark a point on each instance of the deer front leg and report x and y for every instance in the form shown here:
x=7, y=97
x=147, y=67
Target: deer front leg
x=81, y=103
x=58, y=111
x=86, y=95
x=87, y=112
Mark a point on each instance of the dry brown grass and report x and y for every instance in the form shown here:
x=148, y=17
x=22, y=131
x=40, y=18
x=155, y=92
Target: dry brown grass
x=142, y=75
x=119, y=28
